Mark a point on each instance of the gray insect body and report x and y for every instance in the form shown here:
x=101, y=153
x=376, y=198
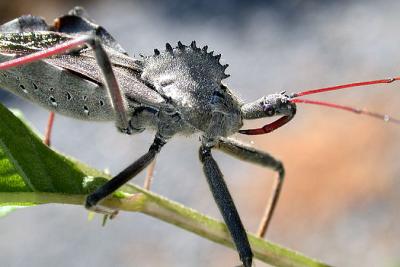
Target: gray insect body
x=58, y=90
x=190, y=78
x=186, y=87
x=176, y=91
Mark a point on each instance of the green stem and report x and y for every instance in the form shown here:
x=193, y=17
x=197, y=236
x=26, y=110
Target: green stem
x=176, y=214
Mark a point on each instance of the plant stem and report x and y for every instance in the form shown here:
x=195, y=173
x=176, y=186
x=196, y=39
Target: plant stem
x=176, y=214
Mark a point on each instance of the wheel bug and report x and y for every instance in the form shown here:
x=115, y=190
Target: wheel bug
x=176, y=91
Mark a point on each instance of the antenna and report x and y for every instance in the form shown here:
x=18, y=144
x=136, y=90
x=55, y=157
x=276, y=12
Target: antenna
x=344, y=86
x=383, y=117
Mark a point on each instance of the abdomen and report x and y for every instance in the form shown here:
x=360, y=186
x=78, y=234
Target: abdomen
x=58, y=90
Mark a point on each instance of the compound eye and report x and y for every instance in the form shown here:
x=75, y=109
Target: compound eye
x=269, y=110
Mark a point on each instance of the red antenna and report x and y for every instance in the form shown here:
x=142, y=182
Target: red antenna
x=344, y=86
x=384, y=117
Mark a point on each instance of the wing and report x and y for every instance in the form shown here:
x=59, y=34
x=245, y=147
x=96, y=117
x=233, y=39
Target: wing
x=127, y=71
x=71, y=84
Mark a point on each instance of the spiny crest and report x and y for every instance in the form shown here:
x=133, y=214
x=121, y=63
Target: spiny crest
x=186, y=59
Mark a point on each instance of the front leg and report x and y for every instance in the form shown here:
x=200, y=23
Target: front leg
x=216, y=181
x=247, y=153
x=226, y=205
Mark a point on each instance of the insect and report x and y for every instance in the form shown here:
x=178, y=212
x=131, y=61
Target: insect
x=76, y=68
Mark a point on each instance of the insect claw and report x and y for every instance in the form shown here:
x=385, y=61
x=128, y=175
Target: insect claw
x=225, y=66
x=205, y=48
x=123, y=130
x=156, y=52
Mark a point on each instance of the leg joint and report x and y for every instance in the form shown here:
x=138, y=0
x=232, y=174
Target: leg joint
x=158, y=143
x=91, y=201
x=92, y=41
x=281, y=170
x=204, y=152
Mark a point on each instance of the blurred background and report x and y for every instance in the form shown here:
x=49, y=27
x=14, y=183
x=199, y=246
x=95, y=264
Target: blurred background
x=340, y=202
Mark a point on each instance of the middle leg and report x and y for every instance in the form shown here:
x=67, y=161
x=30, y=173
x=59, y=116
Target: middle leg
x=123, y=177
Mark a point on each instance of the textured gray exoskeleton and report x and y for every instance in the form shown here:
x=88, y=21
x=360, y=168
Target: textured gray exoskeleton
x=175, y=91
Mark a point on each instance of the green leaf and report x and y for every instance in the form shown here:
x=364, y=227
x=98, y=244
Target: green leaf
x=27, y=165
x=31, y=174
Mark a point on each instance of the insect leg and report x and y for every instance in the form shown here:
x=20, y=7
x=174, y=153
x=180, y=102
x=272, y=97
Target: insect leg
x=149, y=175
x=102, y=60
x=123, y=177
x=112, y=84
x=225, y=204
x=247, y=153
x=49, y=128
